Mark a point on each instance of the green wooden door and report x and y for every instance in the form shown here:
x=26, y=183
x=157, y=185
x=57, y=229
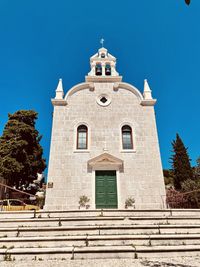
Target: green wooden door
x=106, y=190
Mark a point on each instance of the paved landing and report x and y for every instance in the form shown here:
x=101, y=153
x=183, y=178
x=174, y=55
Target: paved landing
x=164, y=262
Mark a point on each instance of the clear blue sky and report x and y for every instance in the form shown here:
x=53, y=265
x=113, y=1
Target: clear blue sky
x=43, y=40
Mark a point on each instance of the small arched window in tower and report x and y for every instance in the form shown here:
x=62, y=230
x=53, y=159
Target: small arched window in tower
x=98, y=69
x=82, y=137
x=103, y=55
x=127, y=140
x=108, y=69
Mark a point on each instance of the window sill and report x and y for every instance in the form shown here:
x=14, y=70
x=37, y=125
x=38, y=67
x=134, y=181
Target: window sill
x=81, y=151
x=128, y=151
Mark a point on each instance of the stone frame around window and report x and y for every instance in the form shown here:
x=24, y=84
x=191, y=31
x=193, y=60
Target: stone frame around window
x=126, y=131
x=133, y=137
x=101, y=103
x=76, y=149
x=78, y=131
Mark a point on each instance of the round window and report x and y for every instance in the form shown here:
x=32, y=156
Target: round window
x=103, y=100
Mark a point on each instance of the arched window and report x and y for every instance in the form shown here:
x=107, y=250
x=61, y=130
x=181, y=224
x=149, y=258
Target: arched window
x=108, y=69
x=127, y=140
x=98, y=69
x=82, y=137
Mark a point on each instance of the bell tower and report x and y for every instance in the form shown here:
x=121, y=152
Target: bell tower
x=103, y=68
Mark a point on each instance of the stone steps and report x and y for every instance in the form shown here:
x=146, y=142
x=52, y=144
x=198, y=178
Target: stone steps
x=99, y=220
x=101, y=240
x=98, y=252
x=99, y=234
x=37, y=222
x=99, y=212
x=98, y=230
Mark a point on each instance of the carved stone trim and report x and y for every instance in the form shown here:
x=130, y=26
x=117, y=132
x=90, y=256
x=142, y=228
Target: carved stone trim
x=105, y=161
x=58, y=102
x=103, y=78
x=91, y=87
x=116, y=86
x=150, y=102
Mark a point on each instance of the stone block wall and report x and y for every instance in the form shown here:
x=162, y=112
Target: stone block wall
x=141, y=177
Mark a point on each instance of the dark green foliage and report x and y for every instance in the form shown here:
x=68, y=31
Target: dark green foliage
x=175, y=199
x=187, y=2
x=190, y=185
x=197, y=169
x=168, y=177
x=166, y=173
x=192, y=188
x=180, y=163
x=20, y=151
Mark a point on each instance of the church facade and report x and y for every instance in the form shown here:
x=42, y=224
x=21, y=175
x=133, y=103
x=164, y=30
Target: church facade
x=104, y=143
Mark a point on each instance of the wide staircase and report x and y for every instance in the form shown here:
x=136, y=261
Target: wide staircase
x=93, y=234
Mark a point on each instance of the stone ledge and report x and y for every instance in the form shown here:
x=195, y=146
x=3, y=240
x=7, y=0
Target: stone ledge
x=102, y=237
x=103, y=252
x=58, y=102
x=150, y=102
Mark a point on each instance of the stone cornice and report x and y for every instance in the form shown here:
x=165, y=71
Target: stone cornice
x=58, y=102
x=103, y=78
x=150, y=102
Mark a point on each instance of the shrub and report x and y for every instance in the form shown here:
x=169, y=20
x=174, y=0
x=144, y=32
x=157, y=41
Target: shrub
x=129, y=202
x=83, y=200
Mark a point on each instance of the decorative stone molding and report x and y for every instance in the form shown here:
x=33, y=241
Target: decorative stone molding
x=147, y=91
x=91, y=87
x=150, y=102
x=116, y=86
x=103, y=78
x=76, y=88
x=58, y=102
x=132, y=89
x=106, y=162
x=103, y=100
x=59, y=90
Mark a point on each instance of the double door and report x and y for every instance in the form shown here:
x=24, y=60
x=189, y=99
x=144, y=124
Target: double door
x=106, y=190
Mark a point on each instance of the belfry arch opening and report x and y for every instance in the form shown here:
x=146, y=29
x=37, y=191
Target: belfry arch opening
x=98, y=69
x=108, y=69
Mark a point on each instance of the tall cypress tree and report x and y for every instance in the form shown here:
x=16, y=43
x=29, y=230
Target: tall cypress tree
x=181, y=166
x=197, y=169
x=20, y=151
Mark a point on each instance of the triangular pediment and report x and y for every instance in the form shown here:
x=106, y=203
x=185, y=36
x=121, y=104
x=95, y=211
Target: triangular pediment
x=105, y=161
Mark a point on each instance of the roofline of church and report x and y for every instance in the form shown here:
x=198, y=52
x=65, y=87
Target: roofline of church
x=116, y=86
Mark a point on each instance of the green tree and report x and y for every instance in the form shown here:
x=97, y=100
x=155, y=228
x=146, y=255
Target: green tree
x=181, y=167
x=20, y=150
x=192, y=186
x=197, y=169
x=187, y=2
x=168, y=177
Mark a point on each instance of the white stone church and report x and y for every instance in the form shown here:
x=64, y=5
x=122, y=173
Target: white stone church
x=104, y=143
